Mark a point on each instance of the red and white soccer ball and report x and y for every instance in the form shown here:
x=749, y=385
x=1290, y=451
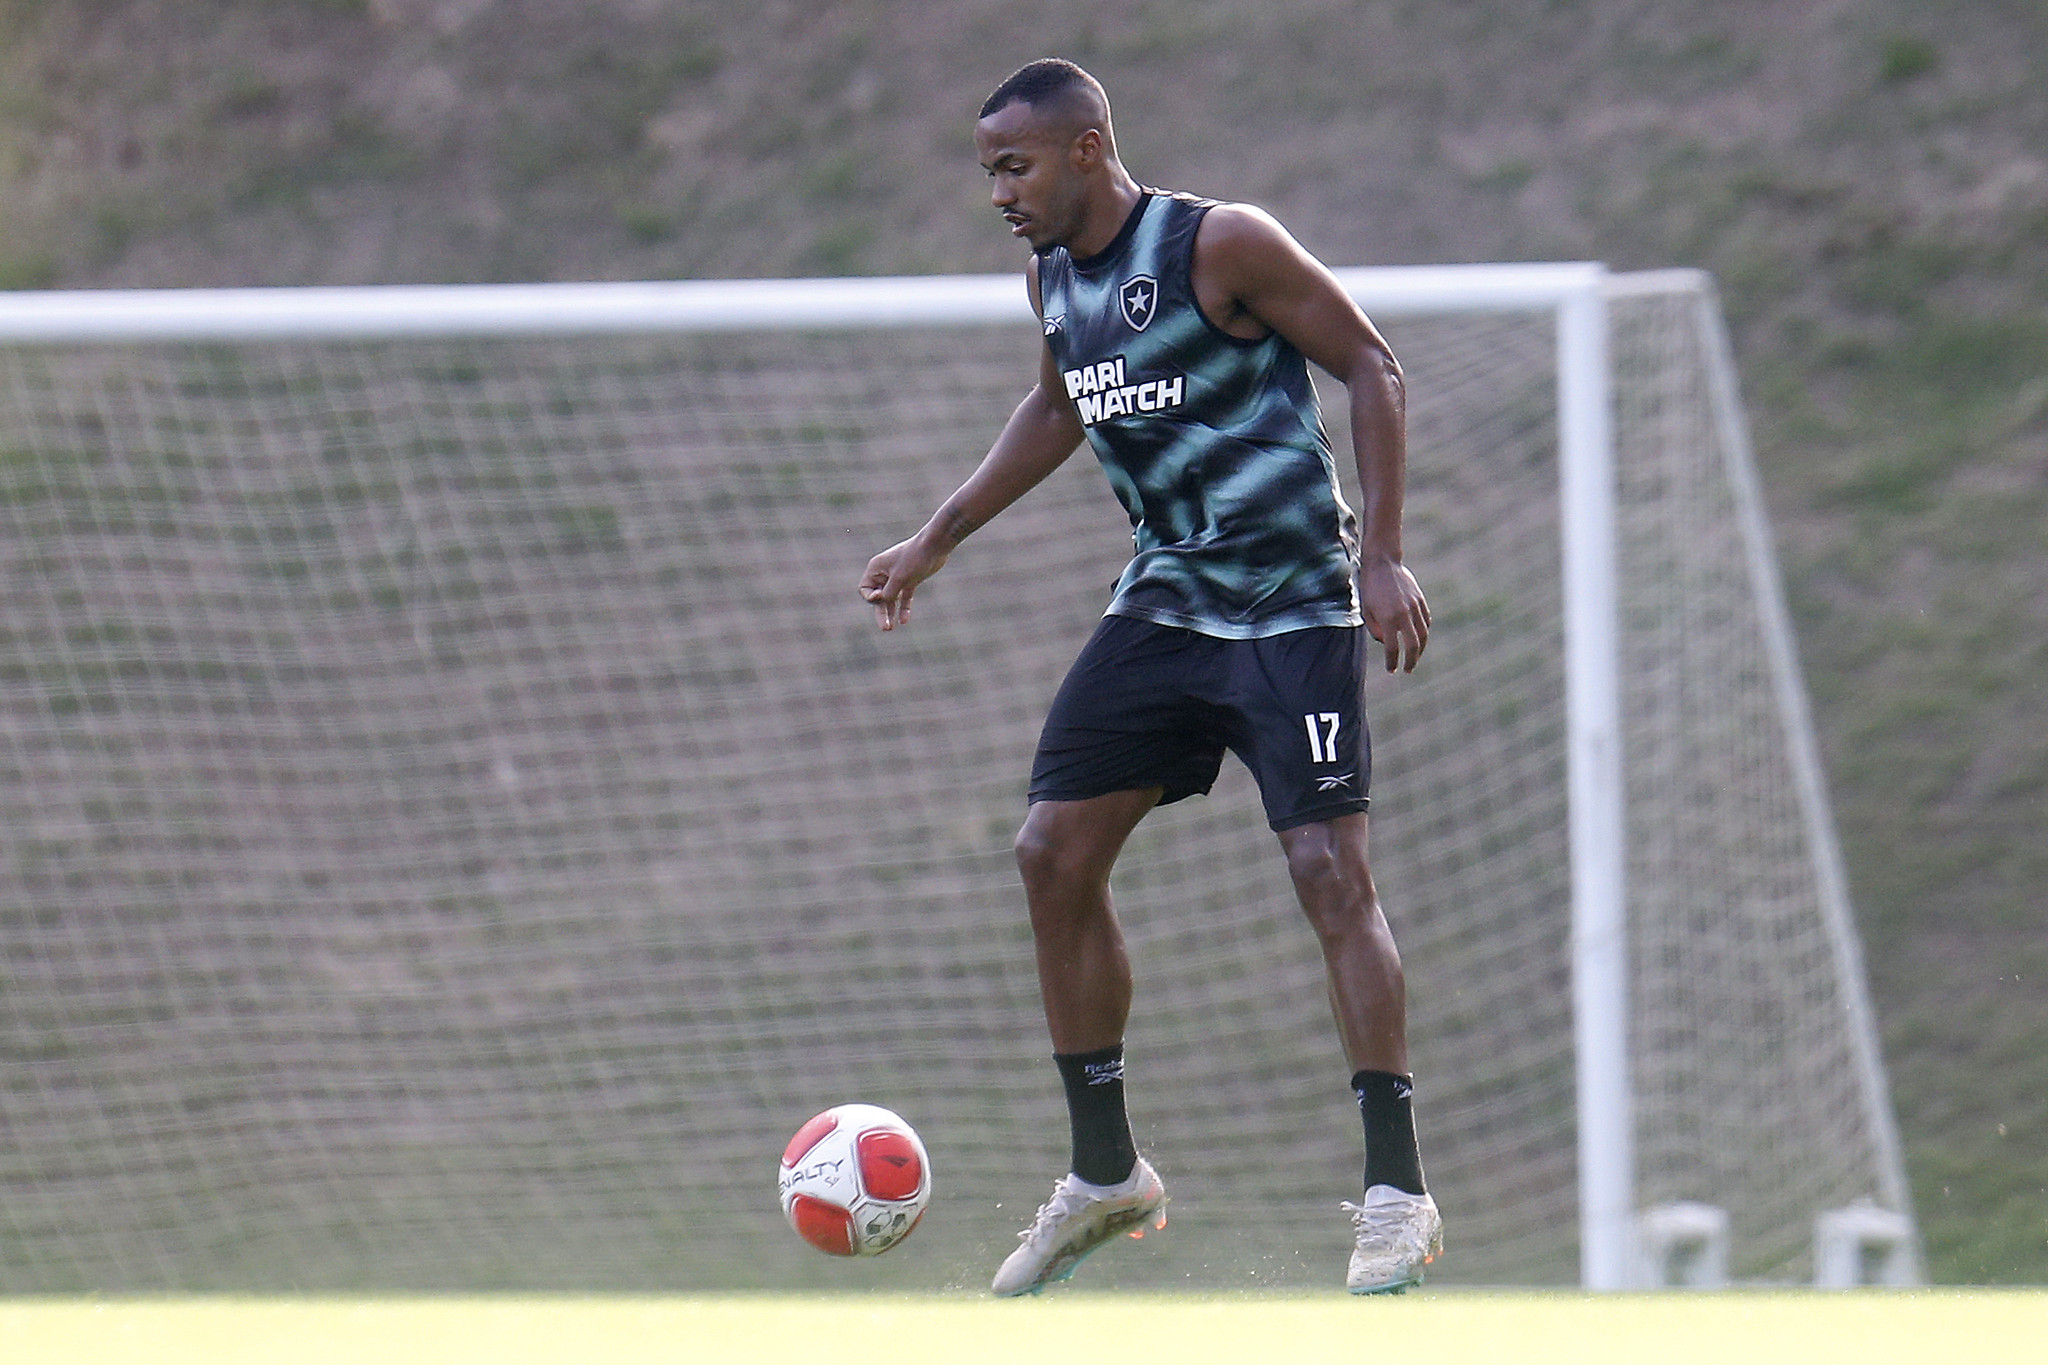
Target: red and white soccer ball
x=855, y=1180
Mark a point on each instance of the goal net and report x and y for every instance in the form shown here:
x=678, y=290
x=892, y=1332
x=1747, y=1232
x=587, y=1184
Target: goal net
x=460, y=820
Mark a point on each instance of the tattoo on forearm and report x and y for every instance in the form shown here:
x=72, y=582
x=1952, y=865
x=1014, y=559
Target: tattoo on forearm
x=958, y=526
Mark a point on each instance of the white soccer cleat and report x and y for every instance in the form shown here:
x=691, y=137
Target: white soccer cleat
x=1077, y=1219
x=1398, y=1235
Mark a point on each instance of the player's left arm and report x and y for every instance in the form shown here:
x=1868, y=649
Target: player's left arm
x=1251, y=275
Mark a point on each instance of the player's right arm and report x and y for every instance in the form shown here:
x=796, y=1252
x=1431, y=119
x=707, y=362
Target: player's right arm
x=1038, y=438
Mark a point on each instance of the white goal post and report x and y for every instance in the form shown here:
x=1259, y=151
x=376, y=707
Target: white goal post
x=1622, y=397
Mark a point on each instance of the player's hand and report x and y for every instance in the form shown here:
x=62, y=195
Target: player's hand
x=1395, y=612
x=892, y=579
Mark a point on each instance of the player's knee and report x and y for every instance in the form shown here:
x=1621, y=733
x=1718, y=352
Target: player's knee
x=1314, y=865
x=1334, y=887
x=1044, y=859
x=1068, y=847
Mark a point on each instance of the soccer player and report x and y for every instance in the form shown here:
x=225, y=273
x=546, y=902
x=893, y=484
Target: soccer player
x=1176, y=334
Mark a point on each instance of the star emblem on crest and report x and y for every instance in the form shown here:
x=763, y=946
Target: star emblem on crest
x=1139, y=298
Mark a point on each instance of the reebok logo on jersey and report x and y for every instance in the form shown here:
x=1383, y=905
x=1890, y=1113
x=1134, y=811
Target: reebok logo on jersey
x=1140, y=300
x=1054, y=325
x=1100, y=393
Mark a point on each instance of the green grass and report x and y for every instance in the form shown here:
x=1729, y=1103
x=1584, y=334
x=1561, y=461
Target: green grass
x=1535, y=1329
x=1904, y=57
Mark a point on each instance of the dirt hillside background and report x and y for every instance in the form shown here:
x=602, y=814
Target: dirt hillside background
x=1868, y=179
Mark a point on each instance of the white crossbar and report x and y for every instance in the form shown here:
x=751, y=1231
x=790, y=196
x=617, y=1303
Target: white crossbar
x=88, y=315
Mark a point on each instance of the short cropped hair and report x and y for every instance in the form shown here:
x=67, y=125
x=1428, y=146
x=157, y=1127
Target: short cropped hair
x=1048, y=80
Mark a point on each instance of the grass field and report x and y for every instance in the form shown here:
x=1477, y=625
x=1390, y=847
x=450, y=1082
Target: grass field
x=1755, y=1327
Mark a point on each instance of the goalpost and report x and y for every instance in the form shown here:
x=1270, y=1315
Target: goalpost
x=461, y=819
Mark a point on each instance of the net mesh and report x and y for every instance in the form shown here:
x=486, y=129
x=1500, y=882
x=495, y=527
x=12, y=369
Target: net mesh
x=460, y=821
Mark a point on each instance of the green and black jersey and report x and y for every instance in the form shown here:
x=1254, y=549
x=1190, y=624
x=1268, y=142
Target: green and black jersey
x=1214, y=444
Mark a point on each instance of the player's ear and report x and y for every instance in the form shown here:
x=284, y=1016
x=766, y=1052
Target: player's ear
x=1085, y=152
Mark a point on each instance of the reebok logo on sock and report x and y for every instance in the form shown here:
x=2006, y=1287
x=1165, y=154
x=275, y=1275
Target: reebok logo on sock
x=1104, y=1073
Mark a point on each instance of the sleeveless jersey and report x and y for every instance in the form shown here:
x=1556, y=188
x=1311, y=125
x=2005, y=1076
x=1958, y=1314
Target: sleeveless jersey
x=1214, y=444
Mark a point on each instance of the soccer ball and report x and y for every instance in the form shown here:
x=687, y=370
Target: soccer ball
x=855, y=1180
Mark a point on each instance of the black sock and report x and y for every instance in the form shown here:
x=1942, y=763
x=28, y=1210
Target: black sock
x=1104, y=1153
x=1390, y=1155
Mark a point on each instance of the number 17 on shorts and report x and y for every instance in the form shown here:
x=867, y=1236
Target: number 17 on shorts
x=1322, y=735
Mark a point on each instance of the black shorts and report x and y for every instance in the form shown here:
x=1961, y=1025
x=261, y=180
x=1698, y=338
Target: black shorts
x=1147, y=705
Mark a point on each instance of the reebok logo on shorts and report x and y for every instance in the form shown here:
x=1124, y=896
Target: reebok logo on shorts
x=1335, y=783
